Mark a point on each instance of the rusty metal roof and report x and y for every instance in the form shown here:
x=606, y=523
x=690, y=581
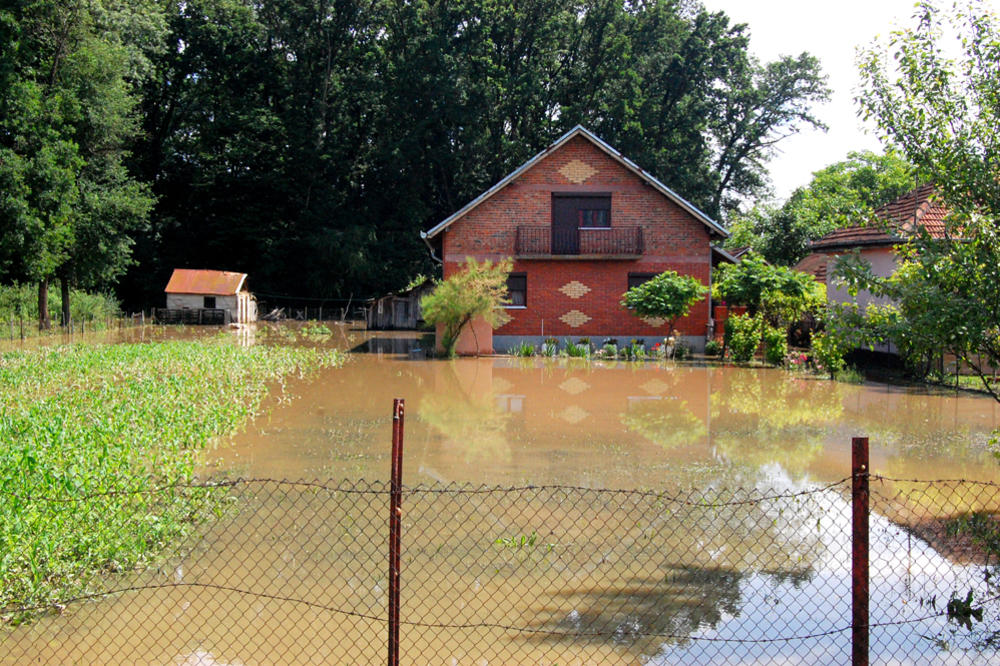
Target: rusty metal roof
x=210, y=283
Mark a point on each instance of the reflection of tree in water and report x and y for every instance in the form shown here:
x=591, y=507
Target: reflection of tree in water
x=669, y=423
x=471, y=421
x=657, y=570
x=770, y=417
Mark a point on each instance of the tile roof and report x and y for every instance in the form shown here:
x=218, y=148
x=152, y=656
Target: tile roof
x=210, y=283
x=815, y=264
x=916, y=208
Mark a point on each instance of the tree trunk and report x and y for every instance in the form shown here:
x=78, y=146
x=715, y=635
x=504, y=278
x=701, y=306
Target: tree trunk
x=64, y=289
x=44, y=323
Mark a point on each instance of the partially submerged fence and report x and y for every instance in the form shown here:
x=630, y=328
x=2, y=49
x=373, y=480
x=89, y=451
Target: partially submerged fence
x=292, y=572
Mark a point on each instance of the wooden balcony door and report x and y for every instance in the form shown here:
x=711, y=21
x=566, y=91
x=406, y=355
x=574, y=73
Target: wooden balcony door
x=570, y=212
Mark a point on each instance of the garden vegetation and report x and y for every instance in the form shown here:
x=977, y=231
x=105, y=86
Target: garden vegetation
x=97, y=442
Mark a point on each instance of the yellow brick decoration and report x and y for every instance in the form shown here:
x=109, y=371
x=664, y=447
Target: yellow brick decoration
x=575, y=289
x=573, y=414
x=574, y=386
x=654, y=321
x=577, y=171
x=574, y=318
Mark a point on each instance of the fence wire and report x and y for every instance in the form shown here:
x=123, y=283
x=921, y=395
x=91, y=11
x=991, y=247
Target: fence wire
x=288, y=572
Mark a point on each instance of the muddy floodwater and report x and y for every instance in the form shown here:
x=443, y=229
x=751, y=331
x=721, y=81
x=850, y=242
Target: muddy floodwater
x=751, y=545
x=606, y=424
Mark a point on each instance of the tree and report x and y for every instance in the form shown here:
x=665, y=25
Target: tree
x=480, y=290
x=66, y=119
x=943, y=115
x=776, y=296
x=840, y=195
x=667, y=296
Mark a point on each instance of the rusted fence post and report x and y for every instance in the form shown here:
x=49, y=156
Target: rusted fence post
x=395, y=520
x=859, y=551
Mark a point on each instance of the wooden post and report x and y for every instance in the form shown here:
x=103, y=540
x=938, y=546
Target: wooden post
x=395, y=521
x=859, y=551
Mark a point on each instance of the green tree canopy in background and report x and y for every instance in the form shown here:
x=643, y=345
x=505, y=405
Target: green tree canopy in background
x=840, y=195
x=307, y=142
x=69, y=206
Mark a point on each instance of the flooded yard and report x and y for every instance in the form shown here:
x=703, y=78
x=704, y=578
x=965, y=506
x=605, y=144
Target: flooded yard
x=653, y=513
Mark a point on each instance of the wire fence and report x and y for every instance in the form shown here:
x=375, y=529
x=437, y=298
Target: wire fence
x=297, y=572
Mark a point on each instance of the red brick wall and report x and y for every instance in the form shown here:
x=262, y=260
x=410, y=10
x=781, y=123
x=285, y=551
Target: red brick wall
x=673, y=238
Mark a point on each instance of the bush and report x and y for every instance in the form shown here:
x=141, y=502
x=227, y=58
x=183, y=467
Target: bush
x=775, y=345
x=577, y=350
x=610, y=350
x=713, y=348
x=743, y=334
x=828, y=353
x=480, y=290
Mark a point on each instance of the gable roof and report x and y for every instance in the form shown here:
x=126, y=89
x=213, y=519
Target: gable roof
x=916, y=208
x=579, y=130
x=209, y=283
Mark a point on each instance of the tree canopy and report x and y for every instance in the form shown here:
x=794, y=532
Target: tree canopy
x=307, y=142
x=840, y=195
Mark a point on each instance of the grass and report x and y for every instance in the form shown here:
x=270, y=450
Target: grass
x=88, y=431
x=20, y=302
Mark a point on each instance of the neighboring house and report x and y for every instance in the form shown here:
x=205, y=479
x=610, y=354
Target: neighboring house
x=876, y=241
x=208, y=297
x=583, y=224
x=400, y=310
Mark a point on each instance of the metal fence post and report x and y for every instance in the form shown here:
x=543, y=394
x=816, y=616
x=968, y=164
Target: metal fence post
x=395, y=520
x=859, y=551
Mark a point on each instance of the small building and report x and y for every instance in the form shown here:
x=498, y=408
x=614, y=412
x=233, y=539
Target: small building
x=876, y=241
x=582, y=224
x=398, y=311
x=208, y=297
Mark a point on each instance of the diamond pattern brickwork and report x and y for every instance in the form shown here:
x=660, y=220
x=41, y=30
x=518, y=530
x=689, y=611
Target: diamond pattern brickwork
x=575, y=318
x=577, y=171
x=575, y=289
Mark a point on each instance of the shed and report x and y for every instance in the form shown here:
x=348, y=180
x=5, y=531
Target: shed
x=400, y=310
x=208, y=297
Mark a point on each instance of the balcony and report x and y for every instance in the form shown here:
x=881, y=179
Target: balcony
x=541, y=242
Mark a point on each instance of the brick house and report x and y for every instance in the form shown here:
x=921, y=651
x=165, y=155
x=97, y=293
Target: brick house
x=582, y=223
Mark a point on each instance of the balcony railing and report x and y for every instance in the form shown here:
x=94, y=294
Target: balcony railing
x=608, y=242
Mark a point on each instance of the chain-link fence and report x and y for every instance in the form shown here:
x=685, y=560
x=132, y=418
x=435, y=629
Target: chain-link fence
x=287, y=572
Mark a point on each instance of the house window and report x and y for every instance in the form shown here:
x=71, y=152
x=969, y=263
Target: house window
x=210, y=302
x=595, y=218
x=517, y=290
x=635, y=279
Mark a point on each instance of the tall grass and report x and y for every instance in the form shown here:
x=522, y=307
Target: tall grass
x=86, y=432
x=21, y=301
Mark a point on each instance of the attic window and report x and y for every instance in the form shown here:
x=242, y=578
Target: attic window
x=210, y=302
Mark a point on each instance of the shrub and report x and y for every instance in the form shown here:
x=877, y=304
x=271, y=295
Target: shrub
x=610, y=350
x=577, y=350
x=713, y=348
x=478, y=291
x=743, y=333
x=828, y=352
x=775, y=345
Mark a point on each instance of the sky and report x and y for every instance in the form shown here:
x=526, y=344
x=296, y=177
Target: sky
x=831, y=31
